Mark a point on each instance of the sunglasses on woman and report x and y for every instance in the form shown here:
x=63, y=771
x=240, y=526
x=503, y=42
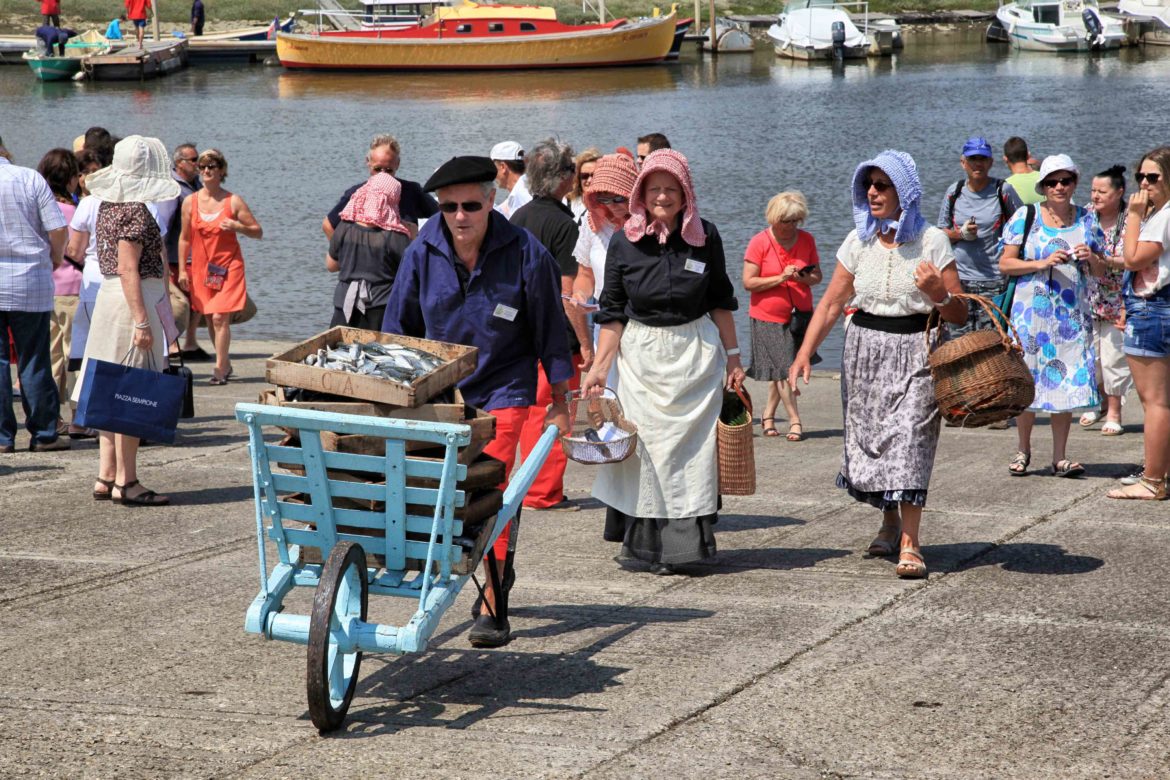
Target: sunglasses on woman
x=606, y=200
x=1152, y=178
x=209, y=167
x=468, y=206
x=880, y=186
x=1063, y=181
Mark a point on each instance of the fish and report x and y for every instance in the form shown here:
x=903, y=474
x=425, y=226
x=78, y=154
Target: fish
x=394, y=362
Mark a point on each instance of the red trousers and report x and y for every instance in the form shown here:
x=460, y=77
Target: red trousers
x=509, y=422
x=549, y=487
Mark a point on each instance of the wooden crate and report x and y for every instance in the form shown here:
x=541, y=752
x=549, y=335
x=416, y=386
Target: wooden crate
x=287, y=370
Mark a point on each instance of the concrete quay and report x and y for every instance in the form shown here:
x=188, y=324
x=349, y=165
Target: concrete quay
x=1038, y=648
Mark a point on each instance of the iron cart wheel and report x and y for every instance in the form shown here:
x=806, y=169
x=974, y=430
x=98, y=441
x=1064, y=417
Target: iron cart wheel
x=332, y=675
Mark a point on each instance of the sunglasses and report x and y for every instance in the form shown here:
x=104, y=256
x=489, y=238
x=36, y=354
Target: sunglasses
x=1064, y=181
x=468, y=206
x=189, y=159
x=1152, y=178
x=880, y=186
x=585, y=176
x=608, y=199
x=209, y=167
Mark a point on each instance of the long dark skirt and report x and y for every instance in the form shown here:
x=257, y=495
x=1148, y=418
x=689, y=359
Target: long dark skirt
x=661, y=540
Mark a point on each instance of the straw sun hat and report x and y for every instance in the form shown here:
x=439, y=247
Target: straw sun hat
x=140, y=173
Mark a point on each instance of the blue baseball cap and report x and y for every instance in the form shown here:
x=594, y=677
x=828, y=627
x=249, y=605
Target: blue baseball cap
x=977, y=146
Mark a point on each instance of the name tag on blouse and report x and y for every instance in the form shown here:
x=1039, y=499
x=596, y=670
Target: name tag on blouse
x=505, y=312
x=695, y=266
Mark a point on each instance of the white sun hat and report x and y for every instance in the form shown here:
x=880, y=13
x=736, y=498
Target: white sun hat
x=1051, y=164
x=140, y=173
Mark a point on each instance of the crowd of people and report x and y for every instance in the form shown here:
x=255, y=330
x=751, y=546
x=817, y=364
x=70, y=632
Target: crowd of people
x=578, y=274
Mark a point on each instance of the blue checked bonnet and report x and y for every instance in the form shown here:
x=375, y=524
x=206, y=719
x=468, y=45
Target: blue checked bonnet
x=900, y=167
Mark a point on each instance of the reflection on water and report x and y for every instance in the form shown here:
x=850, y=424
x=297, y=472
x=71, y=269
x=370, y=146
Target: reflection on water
x=752, y=125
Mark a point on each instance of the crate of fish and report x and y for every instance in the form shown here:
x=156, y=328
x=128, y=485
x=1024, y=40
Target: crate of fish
x=372, y=366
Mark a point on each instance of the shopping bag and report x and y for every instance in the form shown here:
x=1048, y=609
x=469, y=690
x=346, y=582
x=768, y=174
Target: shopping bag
x=131, y=401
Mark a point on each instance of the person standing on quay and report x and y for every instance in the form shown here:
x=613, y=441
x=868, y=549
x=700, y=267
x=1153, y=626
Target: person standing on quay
x=895, y=268
x=126, y=326
x=651, y=142
x=212, y=220
x=1054, y=248
x=508, y=157
x=138, y=11
x=780, y=267
x=474, y=278
x=550, y=170
x=384, y=155
x=32, y=243
x=1147, y=311
x=198, y=17
x=185, y=172
x=666, y=319
x=1023, y=178
x=51, y=13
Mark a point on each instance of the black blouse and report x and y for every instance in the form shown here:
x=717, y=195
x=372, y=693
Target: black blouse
x=366, y=253
x=664, y=284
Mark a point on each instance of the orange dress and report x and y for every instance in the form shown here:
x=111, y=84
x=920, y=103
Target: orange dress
x=212, y=244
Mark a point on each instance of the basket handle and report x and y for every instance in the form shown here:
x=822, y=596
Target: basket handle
x=746, y=399
x=592, y=402
x=1009, y=342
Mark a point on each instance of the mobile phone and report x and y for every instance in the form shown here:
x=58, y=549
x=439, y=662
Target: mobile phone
x=808, y=269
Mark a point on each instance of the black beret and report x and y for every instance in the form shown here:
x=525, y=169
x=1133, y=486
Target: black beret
x=461, y=170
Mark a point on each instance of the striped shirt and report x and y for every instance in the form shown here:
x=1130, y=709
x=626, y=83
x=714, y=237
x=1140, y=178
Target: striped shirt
x=27, y=214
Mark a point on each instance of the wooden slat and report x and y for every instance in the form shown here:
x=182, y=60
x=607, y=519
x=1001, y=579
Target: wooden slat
x=321, y=510
x=366, y=491
x=311, y=538
x=374, y=521
x=395, y=493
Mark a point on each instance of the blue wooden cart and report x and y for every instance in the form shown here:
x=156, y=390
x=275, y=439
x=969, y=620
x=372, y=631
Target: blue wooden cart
x=416, y=556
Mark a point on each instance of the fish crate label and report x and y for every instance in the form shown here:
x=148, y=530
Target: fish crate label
x=505, y=312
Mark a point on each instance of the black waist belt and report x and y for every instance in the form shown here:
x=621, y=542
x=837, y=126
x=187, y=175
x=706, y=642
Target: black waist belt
x=911, y=323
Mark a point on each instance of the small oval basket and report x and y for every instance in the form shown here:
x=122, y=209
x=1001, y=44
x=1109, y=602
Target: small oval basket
x=981, y=377
x=599, y=411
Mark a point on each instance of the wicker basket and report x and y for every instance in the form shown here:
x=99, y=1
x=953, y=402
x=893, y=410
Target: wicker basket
x=981, y=377
x=594, y=453
x=737, y=456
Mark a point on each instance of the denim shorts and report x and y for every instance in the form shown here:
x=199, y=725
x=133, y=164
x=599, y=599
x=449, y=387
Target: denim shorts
x=1147, y=327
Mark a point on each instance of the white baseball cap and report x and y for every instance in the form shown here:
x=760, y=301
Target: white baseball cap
x=1051, y=164
x=507, y=151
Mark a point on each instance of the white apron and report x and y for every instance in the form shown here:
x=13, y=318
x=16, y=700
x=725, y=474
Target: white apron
x=671, y=381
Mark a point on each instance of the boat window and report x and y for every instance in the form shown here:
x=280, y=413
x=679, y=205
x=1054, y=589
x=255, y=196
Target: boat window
x=463, y=28
x=527, y=27
x=1046, y=14
x=495, y=27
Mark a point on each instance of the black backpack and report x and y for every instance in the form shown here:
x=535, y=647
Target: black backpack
x=1005, y=210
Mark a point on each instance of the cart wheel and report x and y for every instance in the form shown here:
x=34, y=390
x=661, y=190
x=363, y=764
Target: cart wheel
x=332, y=674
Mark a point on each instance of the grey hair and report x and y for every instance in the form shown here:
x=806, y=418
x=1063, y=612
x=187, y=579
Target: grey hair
x=487, y=189
x=177, y=155
x=549, y=164
x=384, y=140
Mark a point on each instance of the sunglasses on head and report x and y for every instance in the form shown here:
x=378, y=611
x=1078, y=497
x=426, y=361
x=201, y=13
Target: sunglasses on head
x=605, y=200
x=1152, y=178
x=880, y=186
x=468, y=206
x=1063, y=181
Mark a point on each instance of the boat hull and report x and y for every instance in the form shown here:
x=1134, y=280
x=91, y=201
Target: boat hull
x=1070, y=37
x=641, y=43
x=134, y=64
x=53, y=68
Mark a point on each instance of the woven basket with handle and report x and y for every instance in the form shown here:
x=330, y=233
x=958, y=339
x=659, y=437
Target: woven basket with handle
x=737, y=456
x=599, y=411
x=980, y=377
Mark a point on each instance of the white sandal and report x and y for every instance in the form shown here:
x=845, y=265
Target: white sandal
x=1111, y=428
x=1089, y=419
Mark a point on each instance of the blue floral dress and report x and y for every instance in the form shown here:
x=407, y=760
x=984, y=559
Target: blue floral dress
x=1052, y=312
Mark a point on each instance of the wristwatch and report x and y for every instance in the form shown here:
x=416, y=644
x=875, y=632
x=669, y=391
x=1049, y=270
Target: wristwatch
x=560, y=398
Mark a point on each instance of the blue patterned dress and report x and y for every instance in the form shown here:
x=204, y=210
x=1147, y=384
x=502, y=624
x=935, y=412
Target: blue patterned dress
x=1051, y=310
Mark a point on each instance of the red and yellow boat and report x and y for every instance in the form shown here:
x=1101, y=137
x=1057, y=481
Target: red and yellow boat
x=471, y=36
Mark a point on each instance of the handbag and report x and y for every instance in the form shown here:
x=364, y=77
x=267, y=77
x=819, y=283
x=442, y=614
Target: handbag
x=177, y=368
x=216, y=276
x=138, y=402
x=735, y=446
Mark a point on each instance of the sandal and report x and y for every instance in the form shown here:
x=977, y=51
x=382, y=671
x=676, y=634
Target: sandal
x=1067, y=468
x=911, y=564
x=1112, y=428
x=1143, y=490
x=1089, y=419
x=103, y=495
x=886, y=541
x=769, y=431
x=795, y=435
x=145, y=498
x=217, y=380
x=1019, y=465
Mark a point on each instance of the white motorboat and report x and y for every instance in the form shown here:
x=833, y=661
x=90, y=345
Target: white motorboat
x=1060, y=26
x=729, y=38
x=1152, y=18
x=817, y=30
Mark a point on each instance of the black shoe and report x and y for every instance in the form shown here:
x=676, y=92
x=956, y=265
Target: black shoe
x=6, y=449
x=662, y=569
x=485, y=634
x=59, y=443
x=197, y=355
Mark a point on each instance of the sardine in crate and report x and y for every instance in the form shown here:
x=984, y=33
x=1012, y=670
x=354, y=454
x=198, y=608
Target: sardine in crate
x=288, y=369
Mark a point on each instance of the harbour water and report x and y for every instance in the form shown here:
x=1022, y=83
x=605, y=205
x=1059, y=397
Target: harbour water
x=751, y=125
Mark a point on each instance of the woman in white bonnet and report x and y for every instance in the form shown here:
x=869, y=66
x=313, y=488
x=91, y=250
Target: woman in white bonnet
x=125, y=326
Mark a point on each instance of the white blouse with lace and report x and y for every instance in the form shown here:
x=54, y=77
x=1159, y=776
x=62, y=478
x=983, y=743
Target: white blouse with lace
x=883, y=282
